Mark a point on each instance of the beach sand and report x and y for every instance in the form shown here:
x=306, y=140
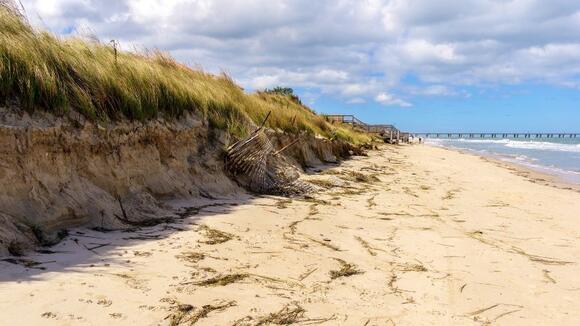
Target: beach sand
x=411, y=235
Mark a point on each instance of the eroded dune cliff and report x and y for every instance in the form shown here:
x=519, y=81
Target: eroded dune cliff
x=61, y=172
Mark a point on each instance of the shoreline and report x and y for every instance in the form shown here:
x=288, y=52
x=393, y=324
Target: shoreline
x=408, y=235
x=530, y=173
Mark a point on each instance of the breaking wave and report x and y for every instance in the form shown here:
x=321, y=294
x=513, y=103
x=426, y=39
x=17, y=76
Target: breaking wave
x=537, y=145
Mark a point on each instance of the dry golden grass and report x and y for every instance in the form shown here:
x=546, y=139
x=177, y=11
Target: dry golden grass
x=39, y=71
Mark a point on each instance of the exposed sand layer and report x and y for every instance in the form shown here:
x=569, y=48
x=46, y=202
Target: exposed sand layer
x=411, y=235
x=63, y=172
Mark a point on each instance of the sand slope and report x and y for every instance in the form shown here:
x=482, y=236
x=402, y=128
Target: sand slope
x=410, y=235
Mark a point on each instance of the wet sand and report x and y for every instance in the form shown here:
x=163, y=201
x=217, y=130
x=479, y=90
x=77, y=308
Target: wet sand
x=411, y=235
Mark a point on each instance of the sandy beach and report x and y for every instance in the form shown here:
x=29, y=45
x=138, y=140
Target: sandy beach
x=410, y=235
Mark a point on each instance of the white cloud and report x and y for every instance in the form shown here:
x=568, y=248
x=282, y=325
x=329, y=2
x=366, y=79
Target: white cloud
x=356, y=100
x=423, y=51
x=349, y=49
x=438, y=90
x=390, y=100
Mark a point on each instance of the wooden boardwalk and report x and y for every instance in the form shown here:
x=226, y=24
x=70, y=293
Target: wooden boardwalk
x=388, y=132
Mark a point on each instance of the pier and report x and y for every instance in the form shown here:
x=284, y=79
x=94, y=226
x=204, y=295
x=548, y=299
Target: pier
x=499, y=135
x=391, y=134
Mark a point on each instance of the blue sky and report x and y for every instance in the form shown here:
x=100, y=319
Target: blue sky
x=423, y=65
x=522, y=108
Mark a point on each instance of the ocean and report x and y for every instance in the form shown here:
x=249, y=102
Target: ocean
x=556, y=156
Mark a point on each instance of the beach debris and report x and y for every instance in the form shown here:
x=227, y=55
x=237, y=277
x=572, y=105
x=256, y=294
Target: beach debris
x=367, y=246
x=215, y=236
x=255, y=164
x=223, y=280
x=346, y=270
x=191, y=257
x=479, y=235
x=410, y=192
x=116, y=315
x=322, y=243
x=313, y=210
x=392, y=284
x=477, y=314
x=349, y=191
x=28, y=263
x=350, y=175
x=371, y=201
x=48, y=314
x=105, y=302
x=540, y=259
x=290, y=283
x=409, y=267
x=184, y=314
x=450, y=194
x=310, y=199
x=309, y=272
x=283, y=203
x=133, y=282
x=15, y=248
x=361, y=177
x=138, y=253
x=548, y=277
x=291, y=313
x=323, y=183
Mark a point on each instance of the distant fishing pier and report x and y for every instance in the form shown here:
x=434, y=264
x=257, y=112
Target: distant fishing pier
x=456, y=135
x=391, y=134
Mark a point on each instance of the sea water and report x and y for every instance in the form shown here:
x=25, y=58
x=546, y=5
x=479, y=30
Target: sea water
x=556, y=156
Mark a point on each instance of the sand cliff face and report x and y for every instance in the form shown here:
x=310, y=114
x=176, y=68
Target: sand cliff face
x=58, y=173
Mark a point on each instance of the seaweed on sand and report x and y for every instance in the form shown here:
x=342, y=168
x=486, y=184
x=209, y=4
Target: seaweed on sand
x=215, y=236
x=223, y=280
x=346, y=270
x=323, y=183
x=290, y=314
x=283, y=203
x=366, y=245
x=360, y=177
x=412, y=268
x=25, y=262
x=187, y=314
x=191, y=257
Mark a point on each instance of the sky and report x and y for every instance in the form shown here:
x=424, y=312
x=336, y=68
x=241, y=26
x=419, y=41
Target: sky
x=423, y=65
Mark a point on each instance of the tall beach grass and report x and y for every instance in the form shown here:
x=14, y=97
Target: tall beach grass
x=40, y=71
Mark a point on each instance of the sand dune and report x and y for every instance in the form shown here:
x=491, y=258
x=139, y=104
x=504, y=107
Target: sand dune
x=410, y=235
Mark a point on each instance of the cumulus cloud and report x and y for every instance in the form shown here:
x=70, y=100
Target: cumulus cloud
x=349, y=49
x=390, y=100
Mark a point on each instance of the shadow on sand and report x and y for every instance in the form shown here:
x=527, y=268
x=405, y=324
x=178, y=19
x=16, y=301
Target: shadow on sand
x=85, y=248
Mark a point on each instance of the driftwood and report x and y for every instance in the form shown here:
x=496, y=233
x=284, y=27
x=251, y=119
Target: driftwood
x=257, y=166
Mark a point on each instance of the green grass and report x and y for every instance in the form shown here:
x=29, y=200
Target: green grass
x=39, y=71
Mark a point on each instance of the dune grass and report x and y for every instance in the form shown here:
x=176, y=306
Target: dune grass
x=39, y=71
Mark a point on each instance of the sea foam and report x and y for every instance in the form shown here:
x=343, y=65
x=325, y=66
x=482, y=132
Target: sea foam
x=531, y=144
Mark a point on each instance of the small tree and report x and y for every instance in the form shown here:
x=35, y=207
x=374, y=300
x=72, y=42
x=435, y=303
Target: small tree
x=284, y=91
